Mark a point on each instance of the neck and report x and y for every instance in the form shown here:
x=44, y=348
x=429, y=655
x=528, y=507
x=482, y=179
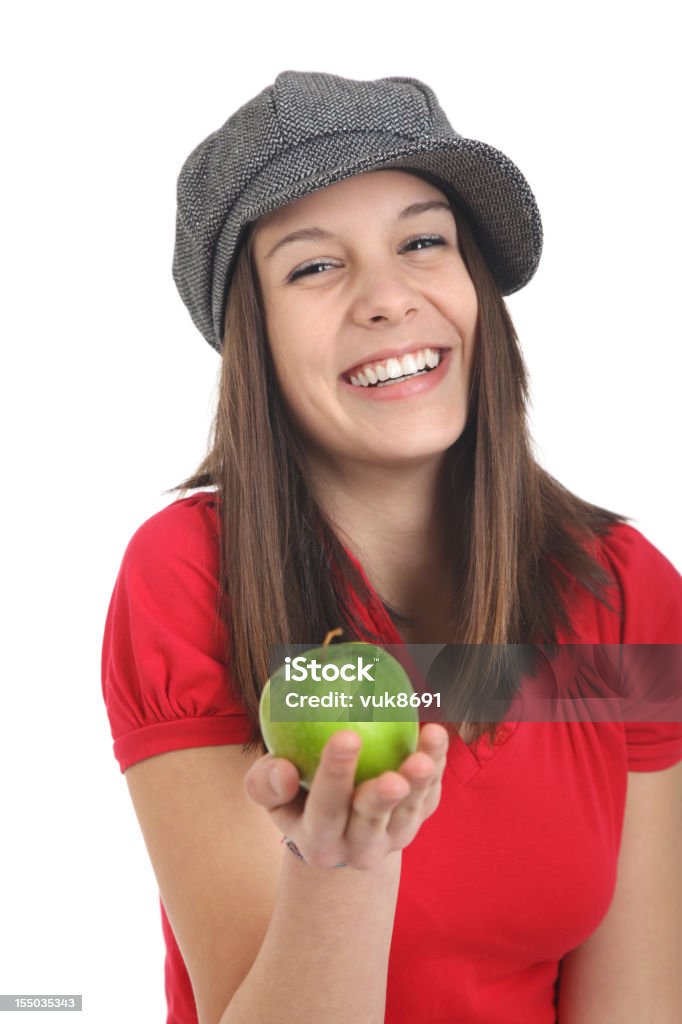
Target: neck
x=396, y=524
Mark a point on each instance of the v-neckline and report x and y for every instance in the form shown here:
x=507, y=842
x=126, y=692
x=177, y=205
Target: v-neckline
x=467, y=760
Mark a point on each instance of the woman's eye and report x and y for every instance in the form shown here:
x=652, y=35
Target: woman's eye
x=309, y=269
x=319, y=266
x=424, y=241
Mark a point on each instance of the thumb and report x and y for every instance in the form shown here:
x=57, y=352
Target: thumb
x=272, y=782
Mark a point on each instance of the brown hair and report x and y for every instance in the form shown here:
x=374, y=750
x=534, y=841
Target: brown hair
x=520, y=539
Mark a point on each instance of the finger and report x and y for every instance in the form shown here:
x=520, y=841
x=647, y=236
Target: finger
x=423, y=775
x=373, y=803
x=425, y=767
x=272, y=782
x=329, y=800
x=434, y=741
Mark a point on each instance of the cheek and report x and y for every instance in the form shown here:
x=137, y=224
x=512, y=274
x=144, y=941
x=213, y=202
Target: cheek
x=296, y=371
x=464, y=302
x=460, y=308
x=283, y=363
x=281, y=337
x=290, y=341
x=301, y=344
x=453, y=293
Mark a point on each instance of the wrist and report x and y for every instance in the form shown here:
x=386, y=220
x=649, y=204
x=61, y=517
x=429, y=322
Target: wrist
x=293, y=848
x=389, y=865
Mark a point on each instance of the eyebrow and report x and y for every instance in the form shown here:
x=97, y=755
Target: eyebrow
x=318, y=234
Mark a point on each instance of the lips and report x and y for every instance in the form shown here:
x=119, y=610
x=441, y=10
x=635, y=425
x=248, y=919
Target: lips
x=406, y=390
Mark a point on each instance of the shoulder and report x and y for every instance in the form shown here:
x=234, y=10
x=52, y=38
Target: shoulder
x=185, y=528
x=167, y=583
x=632, y=555
x=171, y=561
x=646, y=584
x=641, y=600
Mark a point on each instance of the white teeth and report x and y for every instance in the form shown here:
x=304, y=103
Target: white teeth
x=395, y=368
x=409, y=364
x=401, y=380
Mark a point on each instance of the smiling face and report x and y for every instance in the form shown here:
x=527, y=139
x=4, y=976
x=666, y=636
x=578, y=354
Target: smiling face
x=364, y=279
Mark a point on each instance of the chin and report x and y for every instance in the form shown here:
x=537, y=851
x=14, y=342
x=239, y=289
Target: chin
x=426, y=444
x=415, y=455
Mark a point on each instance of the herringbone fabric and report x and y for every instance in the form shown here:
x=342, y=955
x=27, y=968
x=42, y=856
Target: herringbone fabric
x=309, y=130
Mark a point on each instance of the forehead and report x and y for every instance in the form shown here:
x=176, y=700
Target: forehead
x=374, y=190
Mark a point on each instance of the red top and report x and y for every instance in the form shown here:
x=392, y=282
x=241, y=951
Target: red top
x=518, y=864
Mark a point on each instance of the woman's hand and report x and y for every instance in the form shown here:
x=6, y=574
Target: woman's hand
x=337, y=823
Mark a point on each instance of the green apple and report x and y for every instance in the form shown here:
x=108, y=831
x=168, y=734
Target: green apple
x=340, y=686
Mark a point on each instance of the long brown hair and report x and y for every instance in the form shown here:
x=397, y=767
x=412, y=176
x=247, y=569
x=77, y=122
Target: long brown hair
x=520, y=539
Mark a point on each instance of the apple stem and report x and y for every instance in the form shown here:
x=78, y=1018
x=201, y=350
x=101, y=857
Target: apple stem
x=330, y=634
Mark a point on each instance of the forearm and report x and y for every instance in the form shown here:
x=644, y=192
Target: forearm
x=325, y=953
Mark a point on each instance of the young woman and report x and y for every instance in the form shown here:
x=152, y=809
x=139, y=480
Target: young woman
x=370, y=468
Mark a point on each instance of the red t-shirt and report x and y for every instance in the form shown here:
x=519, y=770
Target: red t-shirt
x=518, y=864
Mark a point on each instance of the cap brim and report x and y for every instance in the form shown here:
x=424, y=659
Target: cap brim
x=490, y=187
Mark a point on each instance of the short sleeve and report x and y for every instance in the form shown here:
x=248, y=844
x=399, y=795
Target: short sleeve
x=164, y=679
x=651, y=600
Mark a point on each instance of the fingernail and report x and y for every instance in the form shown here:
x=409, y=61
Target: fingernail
x=348, y=751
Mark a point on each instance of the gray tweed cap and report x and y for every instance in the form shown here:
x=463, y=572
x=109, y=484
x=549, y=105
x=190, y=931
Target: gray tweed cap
x=309, y=130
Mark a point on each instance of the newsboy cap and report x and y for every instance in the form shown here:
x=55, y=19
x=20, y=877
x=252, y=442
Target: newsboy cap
x=309, y=130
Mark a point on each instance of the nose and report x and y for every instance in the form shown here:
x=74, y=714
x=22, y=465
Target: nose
x=383, y=295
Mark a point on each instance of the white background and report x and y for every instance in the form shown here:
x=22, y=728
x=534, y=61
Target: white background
x=108, y=388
